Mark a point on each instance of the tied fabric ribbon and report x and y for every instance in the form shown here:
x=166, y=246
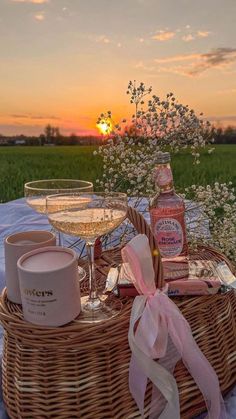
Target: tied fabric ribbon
x=158, y=330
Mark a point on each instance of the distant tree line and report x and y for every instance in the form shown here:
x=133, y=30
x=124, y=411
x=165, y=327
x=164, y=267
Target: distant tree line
x=225, y=135
x=52, y=136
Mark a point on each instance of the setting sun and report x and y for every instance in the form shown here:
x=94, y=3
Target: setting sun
x=105, y=128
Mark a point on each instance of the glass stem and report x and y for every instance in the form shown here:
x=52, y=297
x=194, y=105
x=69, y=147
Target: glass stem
x=58, y=235
x=92, y=279
x=60, y=241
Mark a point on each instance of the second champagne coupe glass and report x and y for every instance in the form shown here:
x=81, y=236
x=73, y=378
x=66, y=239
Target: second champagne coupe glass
x=88, y=216
x=37, y=191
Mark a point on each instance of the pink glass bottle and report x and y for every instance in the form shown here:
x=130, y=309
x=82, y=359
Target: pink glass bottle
x=167, y=212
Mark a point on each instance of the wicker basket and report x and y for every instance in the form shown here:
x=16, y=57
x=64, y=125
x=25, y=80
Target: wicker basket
x=81, y=371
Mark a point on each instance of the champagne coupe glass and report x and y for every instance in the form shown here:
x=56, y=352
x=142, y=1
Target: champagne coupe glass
x=88, y=216
x=37, y=191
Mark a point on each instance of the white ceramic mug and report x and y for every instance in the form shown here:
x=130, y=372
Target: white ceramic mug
x=17, y=245
x=49, y=285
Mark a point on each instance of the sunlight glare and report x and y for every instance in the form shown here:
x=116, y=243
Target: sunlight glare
x=104, y=128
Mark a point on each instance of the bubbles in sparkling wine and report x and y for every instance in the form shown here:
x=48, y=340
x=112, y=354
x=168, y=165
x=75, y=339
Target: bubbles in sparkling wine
x=89, y=222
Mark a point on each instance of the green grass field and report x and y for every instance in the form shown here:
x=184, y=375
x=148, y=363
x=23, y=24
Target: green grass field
x=21, y=164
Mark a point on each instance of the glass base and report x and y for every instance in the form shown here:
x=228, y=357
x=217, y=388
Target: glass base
x=96, y=311
x=81, y=273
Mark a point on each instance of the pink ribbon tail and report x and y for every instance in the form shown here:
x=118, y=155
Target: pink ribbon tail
x=163, y=333
x=195, y=361
x=159, y=336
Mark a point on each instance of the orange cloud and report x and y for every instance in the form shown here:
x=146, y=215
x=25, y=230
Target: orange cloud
x=31, y=1
x=103, y=39
x=188, y=38
x=199, y=34
x=175, y=58
x=178, y=69
x=30, y=116
x=163, y=35
x=203, y=34
x=39, y=16
x=142, y=66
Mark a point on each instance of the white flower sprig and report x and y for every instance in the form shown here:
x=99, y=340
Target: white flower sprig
x=218, y=203
x=129, y=155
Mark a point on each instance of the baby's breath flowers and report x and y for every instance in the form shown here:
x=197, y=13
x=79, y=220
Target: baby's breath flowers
x=129, y=153
x=218, y=206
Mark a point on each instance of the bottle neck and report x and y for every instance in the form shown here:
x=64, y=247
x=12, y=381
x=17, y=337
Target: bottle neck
x=164, y=178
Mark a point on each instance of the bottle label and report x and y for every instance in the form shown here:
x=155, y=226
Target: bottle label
x=164, y=176
x=169, y=235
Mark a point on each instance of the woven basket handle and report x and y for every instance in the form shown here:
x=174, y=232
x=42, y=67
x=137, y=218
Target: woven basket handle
x=143, y=228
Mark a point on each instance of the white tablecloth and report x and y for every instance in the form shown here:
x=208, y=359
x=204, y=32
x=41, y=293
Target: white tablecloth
x=16, y=216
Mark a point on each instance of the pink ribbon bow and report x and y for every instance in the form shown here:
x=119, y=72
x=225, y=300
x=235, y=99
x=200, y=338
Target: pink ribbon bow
x=158, y=330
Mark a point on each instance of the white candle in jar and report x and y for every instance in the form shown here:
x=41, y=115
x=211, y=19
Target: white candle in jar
x=49, y=286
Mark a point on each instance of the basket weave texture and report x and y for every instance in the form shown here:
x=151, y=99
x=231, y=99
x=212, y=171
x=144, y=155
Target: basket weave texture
x=81, y=370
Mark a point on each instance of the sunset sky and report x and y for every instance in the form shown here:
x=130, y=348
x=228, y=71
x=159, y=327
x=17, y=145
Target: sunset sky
x=64, y=62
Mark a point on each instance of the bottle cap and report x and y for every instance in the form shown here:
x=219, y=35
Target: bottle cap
x=163, y=157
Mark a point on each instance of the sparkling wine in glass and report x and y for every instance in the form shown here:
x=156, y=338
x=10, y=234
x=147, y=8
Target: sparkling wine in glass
x=88, y=216
x=37, y=191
